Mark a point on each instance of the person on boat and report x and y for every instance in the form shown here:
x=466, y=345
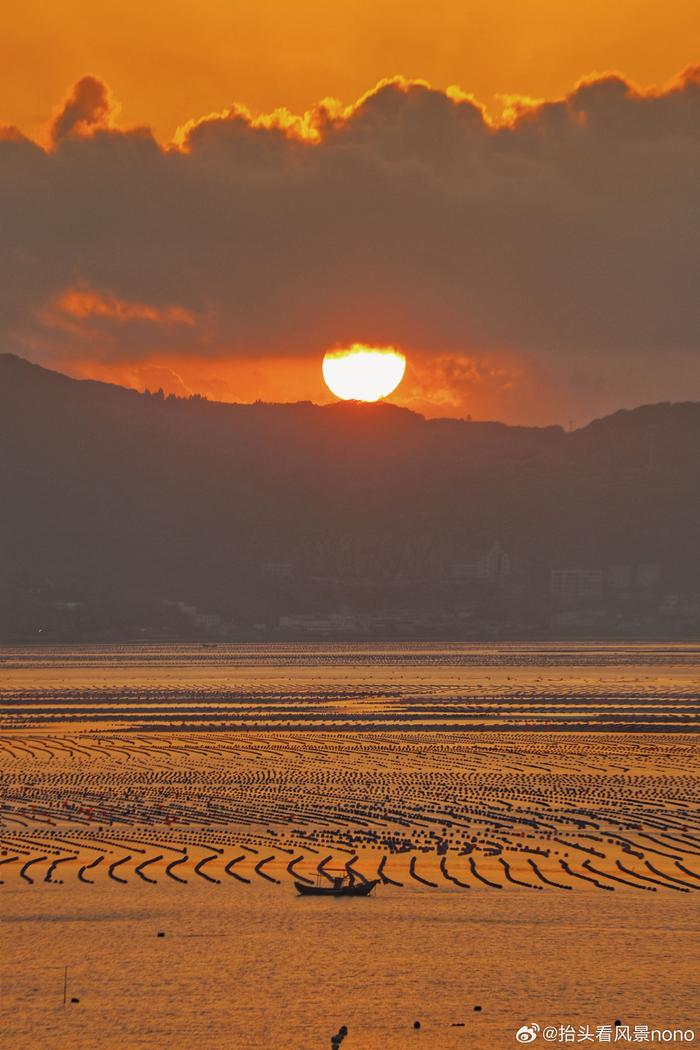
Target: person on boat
x=338, y=882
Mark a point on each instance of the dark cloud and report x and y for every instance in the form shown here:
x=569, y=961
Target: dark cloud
x=569, y=238
x=89, y=106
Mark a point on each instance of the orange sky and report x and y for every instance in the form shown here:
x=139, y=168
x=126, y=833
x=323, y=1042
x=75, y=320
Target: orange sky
x=471, y=293
x=168, y=63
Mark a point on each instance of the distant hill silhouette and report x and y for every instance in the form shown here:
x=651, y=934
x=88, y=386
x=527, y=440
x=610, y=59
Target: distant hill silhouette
x=110, y=494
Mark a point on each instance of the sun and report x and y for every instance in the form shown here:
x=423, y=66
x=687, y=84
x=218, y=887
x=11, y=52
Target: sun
x=363, y=373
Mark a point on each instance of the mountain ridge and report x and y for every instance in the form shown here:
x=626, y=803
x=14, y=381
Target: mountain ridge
x=15, y=361
x=264, y=510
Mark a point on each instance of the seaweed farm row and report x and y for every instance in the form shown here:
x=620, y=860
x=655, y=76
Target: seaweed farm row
x=215, y=688
x=171, y=710
x=484, y=812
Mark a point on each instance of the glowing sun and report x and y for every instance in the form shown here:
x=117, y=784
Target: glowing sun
x=363, y=373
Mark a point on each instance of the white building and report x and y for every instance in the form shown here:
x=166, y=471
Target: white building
x=277, y=570
x=576, y=584
x=619, y=577
x=648, y=574
x=493, y=565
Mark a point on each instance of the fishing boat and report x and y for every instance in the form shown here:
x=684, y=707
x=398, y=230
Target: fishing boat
x=338, y=886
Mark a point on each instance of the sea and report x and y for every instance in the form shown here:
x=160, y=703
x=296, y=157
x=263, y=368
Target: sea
x=231, y=967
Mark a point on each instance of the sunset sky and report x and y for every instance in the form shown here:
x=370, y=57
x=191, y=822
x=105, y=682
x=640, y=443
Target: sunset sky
x=506, y=192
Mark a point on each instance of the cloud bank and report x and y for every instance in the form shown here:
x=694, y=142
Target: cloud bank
x=553, y=257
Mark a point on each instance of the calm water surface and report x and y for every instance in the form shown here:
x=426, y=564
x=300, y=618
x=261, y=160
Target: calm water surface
x=258, y=969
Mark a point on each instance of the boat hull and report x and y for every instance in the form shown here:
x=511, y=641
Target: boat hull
x=358, y=889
